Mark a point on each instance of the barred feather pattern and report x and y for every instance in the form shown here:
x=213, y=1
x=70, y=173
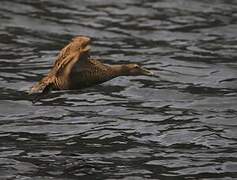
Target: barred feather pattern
x=59, y=74
x=92, y=73
x=74, y=46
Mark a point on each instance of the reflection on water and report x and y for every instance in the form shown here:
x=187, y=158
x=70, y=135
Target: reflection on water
x=181, y=125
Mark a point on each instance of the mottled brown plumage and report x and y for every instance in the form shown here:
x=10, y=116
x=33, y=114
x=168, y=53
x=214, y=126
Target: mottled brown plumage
x=74, y=69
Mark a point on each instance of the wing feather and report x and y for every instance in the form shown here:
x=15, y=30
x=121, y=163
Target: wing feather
x=74, y=46
x=66, y=65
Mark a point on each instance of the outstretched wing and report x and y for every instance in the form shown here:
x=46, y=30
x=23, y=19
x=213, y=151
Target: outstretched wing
x=76, y=52
x=62, y=69
x=76, y=45
x=56, y=76
x=41, y=88
x=41, y=85
x=65, y=66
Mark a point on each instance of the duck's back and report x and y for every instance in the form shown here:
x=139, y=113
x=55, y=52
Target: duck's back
x=90, y=73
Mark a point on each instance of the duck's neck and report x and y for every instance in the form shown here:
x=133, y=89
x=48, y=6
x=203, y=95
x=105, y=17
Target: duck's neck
x=117, y=70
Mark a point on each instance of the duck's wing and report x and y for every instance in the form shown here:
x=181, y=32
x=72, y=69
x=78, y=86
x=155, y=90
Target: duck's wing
x=41, y=85
x=62, y=65
x=74, y=47
x=67, y=64
x=76, y=52
x=59, y=73
x=63, y=54
x=42, y=88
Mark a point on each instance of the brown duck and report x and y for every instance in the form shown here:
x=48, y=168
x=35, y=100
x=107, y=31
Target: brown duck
x=74, y=69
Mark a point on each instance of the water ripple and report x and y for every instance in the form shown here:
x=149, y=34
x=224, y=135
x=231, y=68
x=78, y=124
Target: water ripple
x=180, y=124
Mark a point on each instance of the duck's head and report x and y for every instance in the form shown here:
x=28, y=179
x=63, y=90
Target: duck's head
x=135, y=70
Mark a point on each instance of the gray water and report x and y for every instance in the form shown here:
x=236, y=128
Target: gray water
x=181, y=124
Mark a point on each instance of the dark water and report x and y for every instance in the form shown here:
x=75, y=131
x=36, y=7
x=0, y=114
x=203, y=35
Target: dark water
x=182, y=125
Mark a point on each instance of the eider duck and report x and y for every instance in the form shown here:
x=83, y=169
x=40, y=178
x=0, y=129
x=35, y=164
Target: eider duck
x=75, y=69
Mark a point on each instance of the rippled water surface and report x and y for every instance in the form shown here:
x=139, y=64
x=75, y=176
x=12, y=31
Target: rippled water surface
x=180, y=125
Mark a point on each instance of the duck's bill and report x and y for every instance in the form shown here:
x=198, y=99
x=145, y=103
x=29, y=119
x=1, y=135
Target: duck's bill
x=147, y=72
